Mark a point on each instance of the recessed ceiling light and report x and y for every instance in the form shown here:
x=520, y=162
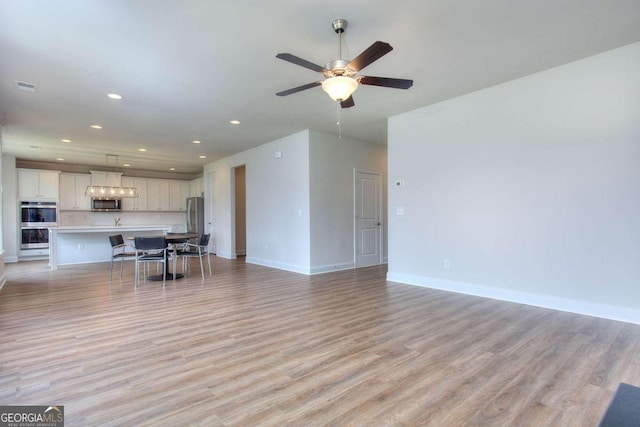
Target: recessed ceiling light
x=172, y=169
x=195, y=141
x=203, y=157
x=126, y=165
x=96, y=126
x=65, y=140
x=234, y=122
x=114, y=96
x=142, y=149
x=60, y=159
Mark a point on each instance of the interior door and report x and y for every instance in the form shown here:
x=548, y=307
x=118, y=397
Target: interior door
x=368, y=218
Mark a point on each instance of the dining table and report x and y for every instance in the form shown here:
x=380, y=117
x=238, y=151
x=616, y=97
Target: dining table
x=172, y=239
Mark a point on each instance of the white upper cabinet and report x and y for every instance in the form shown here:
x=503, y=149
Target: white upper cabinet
x=111, y=179
x=38, y=184
x=163, y=195
x=158, y=195
x=72, y=192
x=135, y=203
x=178, y=193
x=196, y=187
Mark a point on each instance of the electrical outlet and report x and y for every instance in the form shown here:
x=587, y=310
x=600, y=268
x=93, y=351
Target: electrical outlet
x=80, y=246
x=447, y=263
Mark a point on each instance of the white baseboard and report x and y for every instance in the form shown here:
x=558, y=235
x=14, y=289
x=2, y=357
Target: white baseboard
x=3, y=276
x=227, y=255
x=279, y=265
x=321, y=269
x=605, y=311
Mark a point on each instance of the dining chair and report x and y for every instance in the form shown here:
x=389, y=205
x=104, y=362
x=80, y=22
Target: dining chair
x=151, y=250
x=194, y=250
x=119, y=250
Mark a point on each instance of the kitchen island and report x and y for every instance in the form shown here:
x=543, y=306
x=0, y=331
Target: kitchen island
x=85, y=244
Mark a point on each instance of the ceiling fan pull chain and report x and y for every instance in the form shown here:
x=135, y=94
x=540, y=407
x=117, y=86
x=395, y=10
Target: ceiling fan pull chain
x=339, y=124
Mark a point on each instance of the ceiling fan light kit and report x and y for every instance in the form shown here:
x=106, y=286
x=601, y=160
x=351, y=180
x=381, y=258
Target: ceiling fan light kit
x=340, y=88
x=341, y=78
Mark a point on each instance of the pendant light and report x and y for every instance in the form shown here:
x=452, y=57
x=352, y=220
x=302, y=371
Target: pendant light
x=111, y=192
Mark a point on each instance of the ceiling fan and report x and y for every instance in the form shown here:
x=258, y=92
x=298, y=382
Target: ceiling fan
x=341, y=78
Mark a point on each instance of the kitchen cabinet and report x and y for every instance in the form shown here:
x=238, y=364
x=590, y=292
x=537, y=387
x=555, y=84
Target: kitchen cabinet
x=158, y=195
x=36, y=184
x=110, y=179
x=196, y=187
x=178, y=193
x=135, y=203
x=72, y=192
x=154, y=194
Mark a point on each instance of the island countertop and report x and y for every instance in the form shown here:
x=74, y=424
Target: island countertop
x=79, y=244
x=109, y=228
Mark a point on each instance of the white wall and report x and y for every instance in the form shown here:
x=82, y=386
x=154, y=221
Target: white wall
x=2, y=250
x=332, y=162
x=9, y=208
x=299, y=208
x=277, y=203
x=530, y=188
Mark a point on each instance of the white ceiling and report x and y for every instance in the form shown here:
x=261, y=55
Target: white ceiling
x=185, y=68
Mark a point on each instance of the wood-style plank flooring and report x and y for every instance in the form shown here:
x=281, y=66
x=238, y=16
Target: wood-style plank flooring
x=256, y=346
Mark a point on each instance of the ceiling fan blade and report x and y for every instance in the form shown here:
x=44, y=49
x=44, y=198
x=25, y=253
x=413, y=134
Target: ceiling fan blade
x=298, y=89
x=347, y=103
x=386, y=82
x=301, y=62
x=372, y=53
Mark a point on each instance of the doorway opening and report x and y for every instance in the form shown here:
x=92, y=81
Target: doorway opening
x=240, y=210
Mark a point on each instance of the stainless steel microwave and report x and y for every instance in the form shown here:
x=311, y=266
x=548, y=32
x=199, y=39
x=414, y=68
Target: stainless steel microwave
x=106, y=204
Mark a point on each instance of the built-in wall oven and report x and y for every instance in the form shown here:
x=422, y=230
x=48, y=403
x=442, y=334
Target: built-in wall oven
x=34, y=238
x=36, y=218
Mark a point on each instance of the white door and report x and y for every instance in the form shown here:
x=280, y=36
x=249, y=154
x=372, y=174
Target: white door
x=368, y=218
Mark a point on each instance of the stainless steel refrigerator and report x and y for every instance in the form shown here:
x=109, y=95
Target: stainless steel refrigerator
x=195, y=215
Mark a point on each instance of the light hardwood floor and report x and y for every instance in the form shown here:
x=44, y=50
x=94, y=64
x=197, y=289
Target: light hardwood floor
x=256, y=346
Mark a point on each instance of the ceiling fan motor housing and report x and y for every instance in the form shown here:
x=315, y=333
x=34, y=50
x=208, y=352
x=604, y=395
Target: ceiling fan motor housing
x=338, y=67
x=339, y=25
